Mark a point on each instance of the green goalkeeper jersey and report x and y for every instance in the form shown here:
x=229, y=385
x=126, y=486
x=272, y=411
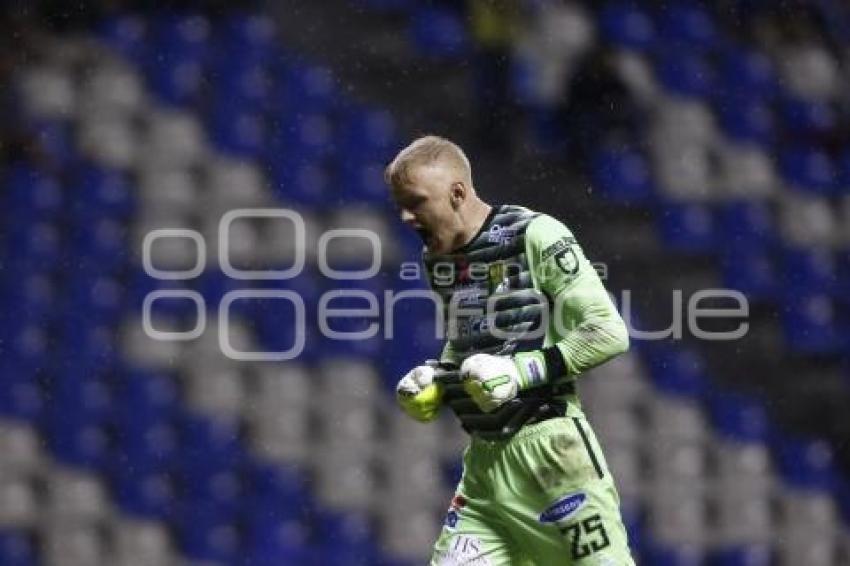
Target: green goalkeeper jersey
x=522, y=284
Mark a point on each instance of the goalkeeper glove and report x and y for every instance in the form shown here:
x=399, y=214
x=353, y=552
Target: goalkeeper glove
x=418, y=394
x=492, y=381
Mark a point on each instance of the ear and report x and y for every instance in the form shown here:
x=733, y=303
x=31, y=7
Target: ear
x=457, y=194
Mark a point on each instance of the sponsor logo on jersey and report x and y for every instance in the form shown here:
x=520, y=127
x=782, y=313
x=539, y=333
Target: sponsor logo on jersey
x=534, y=371
x=453, y=515
x=567, y=261
x=497, y=277
x=558, y=246
x=500, y=235
x=563, y=508
x=467, y=295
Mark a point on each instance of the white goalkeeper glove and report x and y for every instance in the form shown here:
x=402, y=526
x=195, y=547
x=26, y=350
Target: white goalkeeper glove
x=418, y=394
x=492, y=381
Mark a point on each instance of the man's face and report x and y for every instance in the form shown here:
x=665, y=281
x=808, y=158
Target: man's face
x=425, y=205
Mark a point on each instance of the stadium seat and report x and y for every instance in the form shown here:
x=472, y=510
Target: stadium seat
x=622, y=176
x=747, y=73
x=239, y=133
x=737, y=418
x=438, y=32
x=811, y=270
x=688, y=25
x=807, y=118
x=17, y=548
x=809, y=322
x=810, y=169
x=686, y=74
x=688, y=227
x=678, y=372
x=626, y=26
x=126, y=34
x=249, y=38
x=207, y=534
x=750, y=121
x=804, y=463
x=743, y=223
x=750, y=555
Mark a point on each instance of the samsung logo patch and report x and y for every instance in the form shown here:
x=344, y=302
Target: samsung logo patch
x=563, y=508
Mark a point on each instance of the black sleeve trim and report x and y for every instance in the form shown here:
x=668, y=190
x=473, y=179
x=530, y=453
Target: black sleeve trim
x=555, y=365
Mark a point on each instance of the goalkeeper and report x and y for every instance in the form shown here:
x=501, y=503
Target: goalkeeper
x=526, y=314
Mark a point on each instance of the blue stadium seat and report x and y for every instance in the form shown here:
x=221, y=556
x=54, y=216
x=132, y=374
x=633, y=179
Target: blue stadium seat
x=687, y=227
x=205, y=533
x=36, y=247
x=364, y=182
x=184, y=35
x=306, y=135
x=79, y=442
x=745, y=555
x=810, y=324
x=149, y=494
x=177, y=81
x=626, y=26
x=209, y=445
x=746, y=223
x=55, y=139
x=738, y=418
x=242, y=87
x=89, y=399
x=104, y=193
x=751, y=269
x=304, y=182
x=805, y=117
x=746, y=73
x=306, y=88
x=346, y=537
x=811, y=169
x=249, y=38
x=277, y=514
x=269, y=482
x=238, y=132
x=366, y=134
x=32, y=194
x=100, y=244
x=88, y=340
x=147, y=444
x=805, y=463
x=17, y=548
x=147, y=396
x=748, y=120
x=686, y=74
x=622, y=175
x=677, y=371
x=439, y=32
x=688, y=25
x=220, y=489
x=21, y=396
x=126, y=34
x=32, y=296
x=810, y=270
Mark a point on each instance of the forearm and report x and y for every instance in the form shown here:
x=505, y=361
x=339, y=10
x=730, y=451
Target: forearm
x=593, y=342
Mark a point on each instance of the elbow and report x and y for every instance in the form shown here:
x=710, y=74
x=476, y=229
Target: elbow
x=619, y=339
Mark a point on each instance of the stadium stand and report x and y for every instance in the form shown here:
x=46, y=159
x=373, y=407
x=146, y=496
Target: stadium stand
x=123, y=450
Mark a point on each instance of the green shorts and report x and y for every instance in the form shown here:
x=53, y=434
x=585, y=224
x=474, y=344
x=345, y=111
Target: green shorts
x=543, y=497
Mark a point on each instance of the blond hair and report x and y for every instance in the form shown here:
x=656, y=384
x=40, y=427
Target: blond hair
x=424, y=151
